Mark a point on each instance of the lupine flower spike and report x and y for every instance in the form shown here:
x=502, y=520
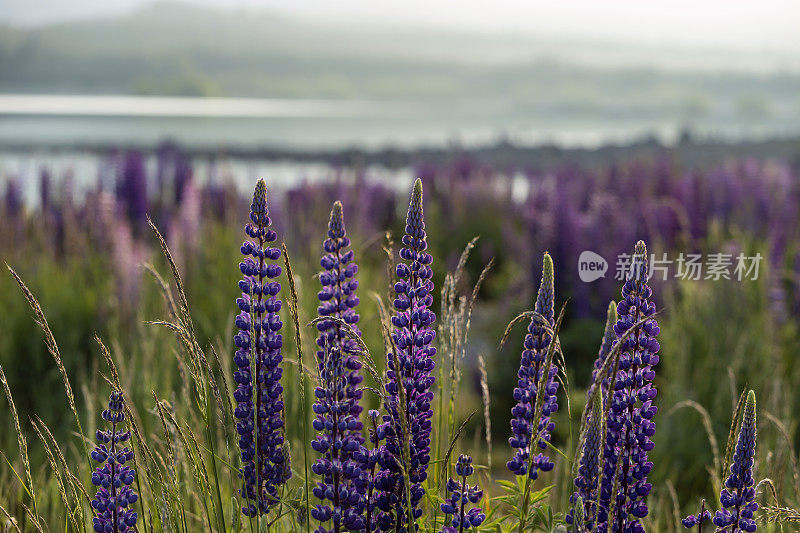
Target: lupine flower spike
x=605, y=346
x=584, y=499
x=739, y=495
x=412, y=336
x=340, y=472
x=630, y=427
x=589, y=470
x=461, y=494
x=338, y=299
x=113, y=479
x=259, y=411
x=528, y=459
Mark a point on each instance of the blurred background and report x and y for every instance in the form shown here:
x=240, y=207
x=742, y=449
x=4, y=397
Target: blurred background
x=558, y=127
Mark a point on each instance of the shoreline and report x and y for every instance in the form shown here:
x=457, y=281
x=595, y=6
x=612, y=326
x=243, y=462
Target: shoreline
x=689, y=150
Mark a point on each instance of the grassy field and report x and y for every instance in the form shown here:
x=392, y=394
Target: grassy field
x=103, y=283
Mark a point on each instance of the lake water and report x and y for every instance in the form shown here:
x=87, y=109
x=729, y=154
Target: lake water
x=305, y=124
x=32, y=126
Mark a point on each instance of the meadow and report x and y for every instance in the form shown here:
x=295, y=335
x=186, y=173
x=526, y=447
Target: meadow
x=130, y=287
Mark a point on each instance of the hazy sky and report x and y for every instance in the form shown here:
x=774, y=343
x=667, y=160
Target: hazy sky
x=727, y=23
x=748, y=24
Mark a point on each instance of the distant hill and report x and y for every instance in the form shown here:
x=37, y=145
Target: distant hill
x=182, y=49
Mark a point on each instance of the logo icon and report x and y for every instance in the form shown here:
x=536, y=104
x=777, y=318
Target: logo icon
x=591, y=266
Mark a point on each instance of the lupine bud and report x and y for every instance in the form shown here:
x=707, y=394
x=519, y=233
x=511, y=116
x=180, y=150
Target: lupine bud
x=259, y=410
x=412, y=336
x=461, y=494
x=113, y=479
x=738, y=497
x=630, y=427
x=578, y=521
x=529, y=458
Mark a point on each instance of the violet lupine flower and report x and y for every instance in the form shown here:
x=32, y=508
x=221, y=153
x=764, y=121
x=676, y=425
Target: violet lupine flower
x=531, y=370
x=13, y=199
x=412, y=337
x=260, y=401
x=132, y=188
x=338, y=299
x=45, y=191
x=113, y=479
x=342, y=482
x=585, y=496
x=584, y=500
x=630, y=425
x=461, y=494
x=738, y=498
x=605, y=347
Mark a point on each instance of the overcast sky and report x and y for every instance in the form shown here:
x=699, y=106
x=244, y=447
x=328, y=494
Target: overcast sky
x=726, y=23
x=745, y=24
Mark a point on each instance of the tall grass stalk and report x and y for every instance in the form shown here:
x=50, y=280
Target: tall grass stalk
x=454, y=325
x=293, y=311
x=487, y=418
x=22, y=443
x=201, y=371
x=52, y=347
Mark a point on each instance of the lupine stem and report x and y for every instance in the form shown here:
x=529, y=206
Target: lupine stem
x=461, y=500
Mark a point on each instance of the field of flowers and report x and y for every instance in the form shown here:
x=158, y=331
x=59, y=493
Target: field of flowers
x=372, y=370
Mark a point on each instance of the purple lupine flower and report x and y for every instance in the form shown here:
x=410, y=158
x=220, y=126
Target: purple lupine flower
x=132, y=188
x=630, y=425
x=588, y=471
x=260, y=401
x=460, y=495
x=338, y=299
x=13, y=200
x=584, y=499
x=113, y=479
x=412, y=337
x=45, y=191
x=531, y=371
x=341, y=483
x=738, y=498
x=183, y=177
